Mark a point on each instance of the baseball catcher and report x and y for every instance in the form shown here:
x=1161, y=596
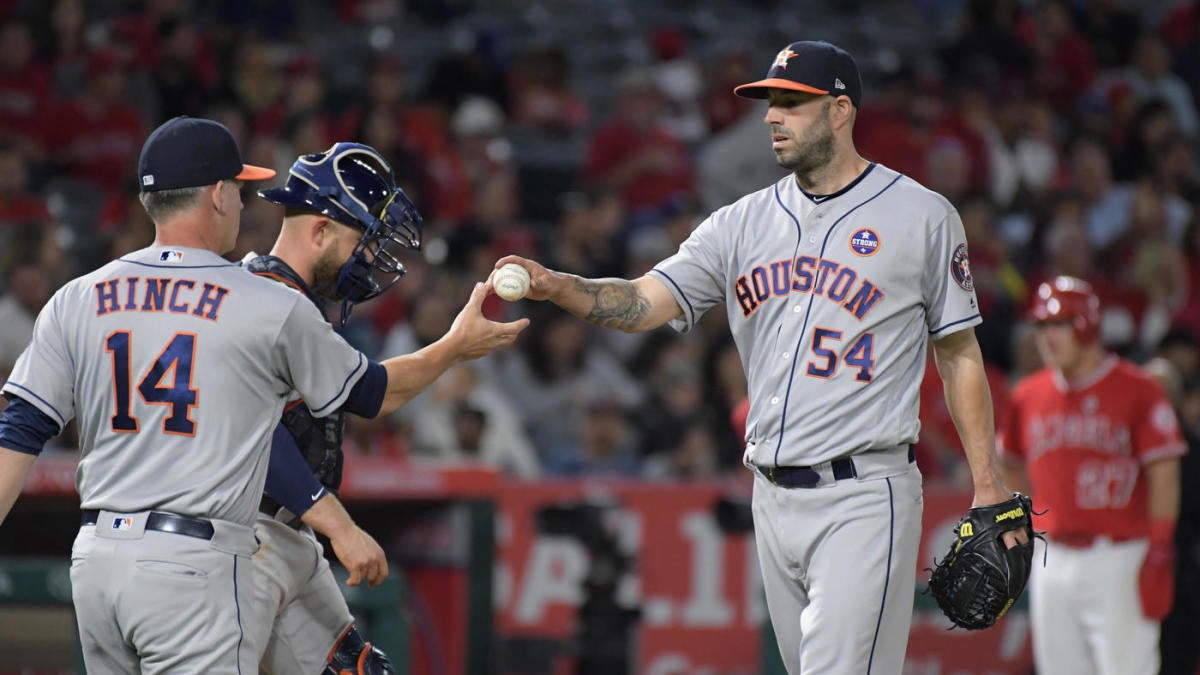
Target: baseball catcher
x=345, y=225
x=980, y=577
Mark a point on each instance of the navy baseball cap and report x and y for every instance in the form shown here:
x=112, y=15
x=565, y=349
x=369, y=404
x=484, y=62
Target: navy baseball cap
x=814, y=67
x=191, y=152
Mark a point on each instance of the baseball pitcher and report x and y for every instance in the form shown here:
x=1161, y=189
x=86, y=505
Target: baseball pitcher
x=834, y=278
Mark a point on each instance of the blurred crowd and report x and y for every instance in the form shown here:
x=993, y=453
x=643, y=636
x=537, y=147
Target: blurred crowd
x=1064, y=132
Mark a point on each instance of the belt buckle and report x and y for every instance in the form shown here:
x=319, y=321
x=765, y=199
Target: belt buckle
x=770, y=473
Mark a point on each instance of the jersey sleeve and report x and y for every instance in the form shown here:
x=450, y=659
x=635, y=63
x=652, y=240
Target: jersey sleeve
x=317, y=362
x=948, y=288
x=695, y=275
x=1156, y=433
x=44, y=373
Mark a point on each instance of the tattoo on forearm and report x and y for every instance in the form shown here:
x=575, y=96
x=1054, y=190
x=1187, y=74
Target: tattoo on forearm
x=618, y=303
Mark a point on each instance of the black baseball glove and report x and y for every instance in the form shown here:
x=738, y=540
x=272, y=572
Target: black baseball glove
x=980, y=578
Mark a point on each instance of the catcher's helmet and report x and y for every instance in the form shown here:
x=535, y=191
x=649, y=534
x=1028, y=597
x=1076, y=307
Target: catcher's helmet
x=1069, y=299
x=353, y=184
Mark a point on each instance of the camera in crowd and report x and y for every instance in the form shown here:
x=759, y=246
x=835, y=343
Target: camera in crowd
x=604, y=636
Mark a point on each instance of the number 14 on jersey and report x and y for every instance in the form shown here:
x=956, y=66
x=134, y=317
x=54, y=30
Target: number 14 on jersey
x=178, y=394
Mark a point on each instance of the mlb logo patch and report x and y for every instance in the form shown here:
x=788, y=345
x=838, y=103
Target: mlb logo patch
x=122, y=523
x=148, y=180
x=864, y=242
x=171, y=256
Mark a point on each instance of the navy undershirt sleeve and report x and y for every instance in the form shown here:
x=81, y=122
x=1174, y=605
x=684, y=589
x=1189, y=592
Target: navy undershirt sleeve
x=289, y=479
x=24, y=428
x=366, y=398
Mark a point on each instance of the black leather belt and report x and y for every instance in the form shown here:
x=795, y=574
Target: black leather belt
x=163, y=522
x=807, y=476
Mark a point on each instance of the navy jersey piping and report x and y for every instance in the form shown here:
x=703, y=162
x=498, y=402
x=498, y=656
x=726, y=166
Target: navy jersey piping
x=825, y=199
x=954, y=323
x=61, y=419
x=887, y=577
x=779, y=201
x=345, y=383
x=803, y=327
x=177, y=267
x=808, y=311
x=237, y=654
x=683, y=295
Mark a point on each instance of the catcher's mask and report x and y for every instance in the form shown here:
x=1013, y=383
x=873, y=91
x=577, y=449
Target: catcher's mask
x=1072, y=300
x=353, y=184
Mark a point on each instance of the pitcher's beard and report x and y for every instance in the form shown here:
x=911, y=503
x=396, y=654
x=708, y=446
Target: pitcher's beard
x=808, y=155
x=807, y=159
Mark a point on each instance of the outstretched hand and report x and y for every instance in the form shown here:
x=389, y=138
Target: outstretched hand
x=540, y=278
x=477, y=335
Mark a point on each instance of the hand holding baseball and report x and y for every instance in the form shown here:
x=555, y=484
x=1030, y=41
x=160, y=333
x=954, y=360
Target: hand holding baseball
x=537, y=282
x=511, y=282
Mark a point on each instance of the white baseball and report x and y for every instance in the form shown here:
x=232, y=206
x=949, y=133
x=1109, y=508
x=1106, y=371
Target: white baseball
x=511, y=282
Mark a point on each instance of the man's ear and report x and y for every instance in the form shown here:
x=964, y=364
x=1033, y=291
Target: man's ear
x=320, y=230
x=842, y=111
x=217, y=196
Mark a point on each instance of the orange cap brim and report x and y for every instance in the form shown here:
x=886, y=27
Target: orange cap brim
x=251, y=172
x=759, y=89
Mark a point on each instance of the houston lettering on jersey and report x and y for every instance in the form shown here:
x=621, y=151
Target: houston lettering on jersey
x=807, y=274
x=1079, y=430
x=159, y=294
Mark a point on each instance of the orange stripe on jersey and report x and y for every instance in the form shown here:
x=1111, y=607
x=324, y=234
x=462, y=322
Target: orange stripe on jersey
x=276, y=277
x=293, y=404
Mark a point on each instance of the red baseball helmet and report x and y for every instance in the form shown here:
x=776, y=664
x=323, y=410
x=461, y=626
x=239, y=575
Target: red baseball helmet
x=1069, y=299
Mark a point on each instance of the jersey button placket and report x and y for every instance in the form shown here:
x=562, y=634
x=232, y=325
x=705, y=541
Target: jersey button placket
x=817, y=217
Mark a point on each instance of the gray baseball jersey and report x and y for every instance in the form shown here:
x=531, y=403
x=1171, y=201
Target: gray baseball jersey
x=830, y=301
x=177, y=364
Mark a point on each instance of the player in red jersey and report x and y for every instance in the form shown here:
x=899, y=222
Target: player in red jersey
x=1098, y=441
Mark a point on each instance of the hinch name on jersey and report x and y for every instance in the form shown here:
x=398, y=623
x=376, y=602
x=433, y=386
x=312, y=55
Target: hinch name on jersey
x=159, y=294
x=1079, y=431
x=807, y=274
